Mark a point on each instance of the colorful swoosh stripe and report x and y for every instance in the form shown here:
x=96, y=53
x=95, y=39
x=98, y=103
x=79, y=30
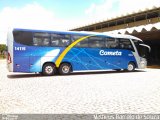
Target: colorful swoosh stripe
x=62, y=55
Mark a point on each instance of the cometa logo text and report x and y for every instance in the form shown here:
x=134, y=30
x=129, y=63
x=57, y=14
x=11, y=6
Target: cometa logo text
x=107, y=53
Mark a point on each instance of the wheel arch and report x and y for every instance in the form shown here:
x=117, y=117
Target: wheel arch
x=47, y=63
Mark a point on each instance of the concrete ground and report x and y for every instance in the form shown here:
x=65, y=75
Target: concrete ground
x=103, y=92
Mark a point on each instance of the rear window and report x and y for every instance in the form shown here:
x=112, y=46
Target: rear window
x=23, y=37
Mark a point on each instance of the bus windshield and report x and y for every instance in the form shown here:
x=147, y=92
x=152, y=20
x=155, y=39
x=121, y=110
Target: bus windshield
x=142, y=49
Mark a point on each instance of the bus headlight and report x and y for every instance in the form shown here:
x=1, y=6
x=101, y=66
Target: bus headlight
x=143, y=63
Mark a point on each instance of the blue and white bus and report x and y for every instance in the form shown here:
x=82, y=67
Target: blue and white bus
x=49, y=52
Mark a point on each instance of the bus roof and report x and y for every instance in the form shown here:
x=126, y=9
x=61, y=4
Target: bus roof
x=82, y=33
x=123, y=36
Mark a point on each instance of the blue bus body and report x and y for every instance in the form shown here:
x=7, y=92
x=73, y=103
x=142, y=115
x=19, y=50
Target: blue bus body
x=29, y=58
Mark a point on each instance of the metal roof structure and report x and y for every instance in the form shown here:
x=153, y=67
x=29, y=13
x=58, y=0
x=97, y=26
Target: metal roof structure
x=143, y=20
x=138, y=29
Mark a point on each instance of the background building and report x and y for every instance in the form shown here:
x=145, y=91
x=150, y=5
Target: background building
x=143, y=24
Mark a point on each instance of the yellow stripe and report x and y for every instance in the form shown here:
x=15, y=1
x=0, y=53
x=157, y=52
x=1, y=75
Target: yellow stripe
x=62, y=55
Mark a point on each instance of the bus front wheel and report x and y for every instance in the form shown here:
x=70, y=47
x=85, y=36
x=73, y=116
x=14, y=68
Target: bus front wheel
x=131, y=67
x=65, y=69
x=48, y=69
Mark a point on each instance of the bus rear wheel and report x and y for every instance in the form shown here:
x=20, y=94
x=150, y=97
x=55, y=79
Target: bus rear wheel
x=131, y=67
x=49, y=69
x=65, y=69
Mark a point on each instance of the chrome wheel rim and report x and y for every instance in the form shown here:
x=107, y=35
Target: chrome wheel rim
x=49, y=69
x=65, y=69
x=130, y=67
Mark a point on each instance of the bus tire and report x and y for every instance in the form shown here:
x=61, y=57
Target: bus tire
x=131, y=67
x=48, y=69
x=65, y=69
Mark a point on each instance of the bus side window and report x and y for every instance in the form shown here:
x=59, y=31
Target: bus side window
x=75, y=37
x=111, y=43
x=83, y=43
x=54, y=40
x=125, y=44
x=96, y=42
x=61, y=40
x=65, y=40
x=41, y=39
x=37, y=41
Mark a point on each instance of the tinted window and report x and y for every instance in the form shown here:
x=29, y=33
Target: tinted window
x=111, y=43
x=139, y=48
x=60, y=40
x=76, y=37
x=137, y=42
x=83, y=43
x=125, y=44
x=41, y=39
x=23, y=37
x=96, y=42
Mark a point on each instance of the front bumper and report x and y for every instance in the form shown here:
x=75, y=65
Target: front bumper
x=143, y=63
